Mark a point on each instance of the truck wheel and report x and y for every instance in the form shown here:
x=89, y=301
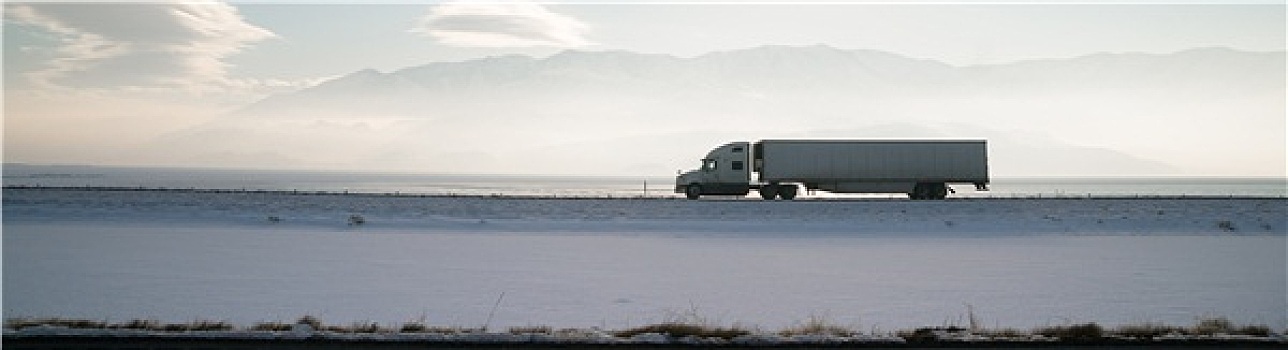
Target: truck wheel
x=939, y=191
x=768, y=192
x=787, y=192
x=693, y=191
x=920, y=191
x=929, y=191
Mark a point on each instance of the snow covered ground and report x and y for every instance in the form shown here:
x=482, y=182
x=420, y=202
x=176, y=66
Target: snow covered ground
x=485, y=213
x=617, y=263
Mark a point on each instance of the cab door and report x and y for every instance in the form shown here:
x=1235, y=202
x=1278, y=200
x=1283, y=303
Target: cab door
x=730, y=164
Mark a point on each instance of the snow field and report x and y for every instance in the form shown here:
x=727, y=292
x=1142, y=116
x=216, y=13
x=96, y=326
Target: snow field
x=615, y=264
x=974, y=216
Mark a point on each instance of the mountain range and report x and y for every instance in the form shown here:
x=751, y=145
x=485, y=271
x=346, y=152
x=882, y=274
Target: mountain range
x=616, y=112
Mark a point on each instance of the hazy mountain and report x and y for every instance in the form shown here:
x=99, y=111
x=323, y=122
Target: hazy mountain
x=781, y=70
x=623, y=112
x=756, y=72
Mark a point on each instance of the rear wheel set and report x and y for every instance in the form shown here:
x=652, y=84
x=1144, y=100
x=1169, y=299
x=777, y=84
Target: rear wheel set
x=929, y=191
x=770, y=191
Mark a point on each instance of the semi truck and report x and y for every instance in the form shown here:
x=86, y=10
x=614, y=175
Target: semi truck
x=922, y=169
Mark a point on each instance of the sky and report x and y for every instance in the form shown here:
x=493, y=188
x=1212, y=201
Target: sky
x=89, y=83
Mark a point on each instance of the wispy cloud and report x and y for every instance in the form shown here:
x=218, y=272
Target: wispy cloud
x=134, y=45
x=483, y=24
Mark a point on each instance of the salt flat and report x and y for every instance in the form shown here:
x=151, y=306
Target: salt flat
x=618, y=263
x=505, y=214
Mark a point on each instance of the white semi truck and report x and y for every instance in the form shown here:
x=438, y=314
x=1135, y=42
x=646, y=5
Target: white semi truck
x=920, y=168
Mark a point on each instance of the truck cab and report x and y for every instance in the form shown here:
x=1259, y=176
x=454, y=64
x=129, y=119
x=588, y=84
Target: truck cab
x=725, y=170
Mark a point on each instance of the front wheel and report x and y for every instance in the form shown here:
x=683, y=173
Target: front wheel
x=693, y=191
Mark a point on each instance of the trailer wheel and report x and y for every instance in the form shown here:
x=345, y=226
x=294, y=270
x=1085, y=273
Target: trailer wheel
x=922, y=191
x=787, y=192
x=768, y=192
x=939, y=191
x=929, y=191
x=693, y=191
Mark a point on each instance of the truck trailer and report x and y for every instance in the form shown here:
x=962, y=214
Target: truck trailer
x=922, y=169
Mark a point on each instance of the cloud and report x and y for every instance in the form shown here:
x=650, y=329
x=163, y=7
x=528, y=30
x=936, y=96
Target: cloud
x=522, y=24
x=126, y=45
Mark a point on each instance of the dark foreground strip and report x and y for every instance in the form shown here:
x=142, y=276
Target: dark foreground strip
x=603, y=196
x=179, y=343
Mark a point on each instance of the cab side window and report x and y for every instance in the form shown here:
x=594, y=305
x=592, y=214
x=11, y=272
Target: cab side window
x=737, y=165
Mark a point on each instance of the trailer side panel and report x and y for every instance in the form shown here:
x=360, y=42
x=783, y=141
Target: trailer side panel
x=872, y=161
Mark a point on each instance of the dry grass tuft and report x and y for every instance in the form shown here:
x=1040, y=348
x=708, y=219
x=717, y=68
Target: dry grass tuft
x=1078, y=332
x=1222, y=325
x=684, y=330
x=20, y=323
x=360, y=327
x=1148, y=330
x=531, y=330
x=818, y=325
x=311, y=321
x=270, y=327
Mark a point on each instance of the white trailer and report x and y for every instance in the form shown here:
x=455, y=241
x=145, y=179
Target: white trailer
x=920, y=168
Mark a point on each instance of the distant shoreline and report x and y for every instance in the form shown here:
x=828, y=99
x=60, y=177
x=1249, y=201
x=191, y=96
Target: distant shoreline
x=611, y=196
